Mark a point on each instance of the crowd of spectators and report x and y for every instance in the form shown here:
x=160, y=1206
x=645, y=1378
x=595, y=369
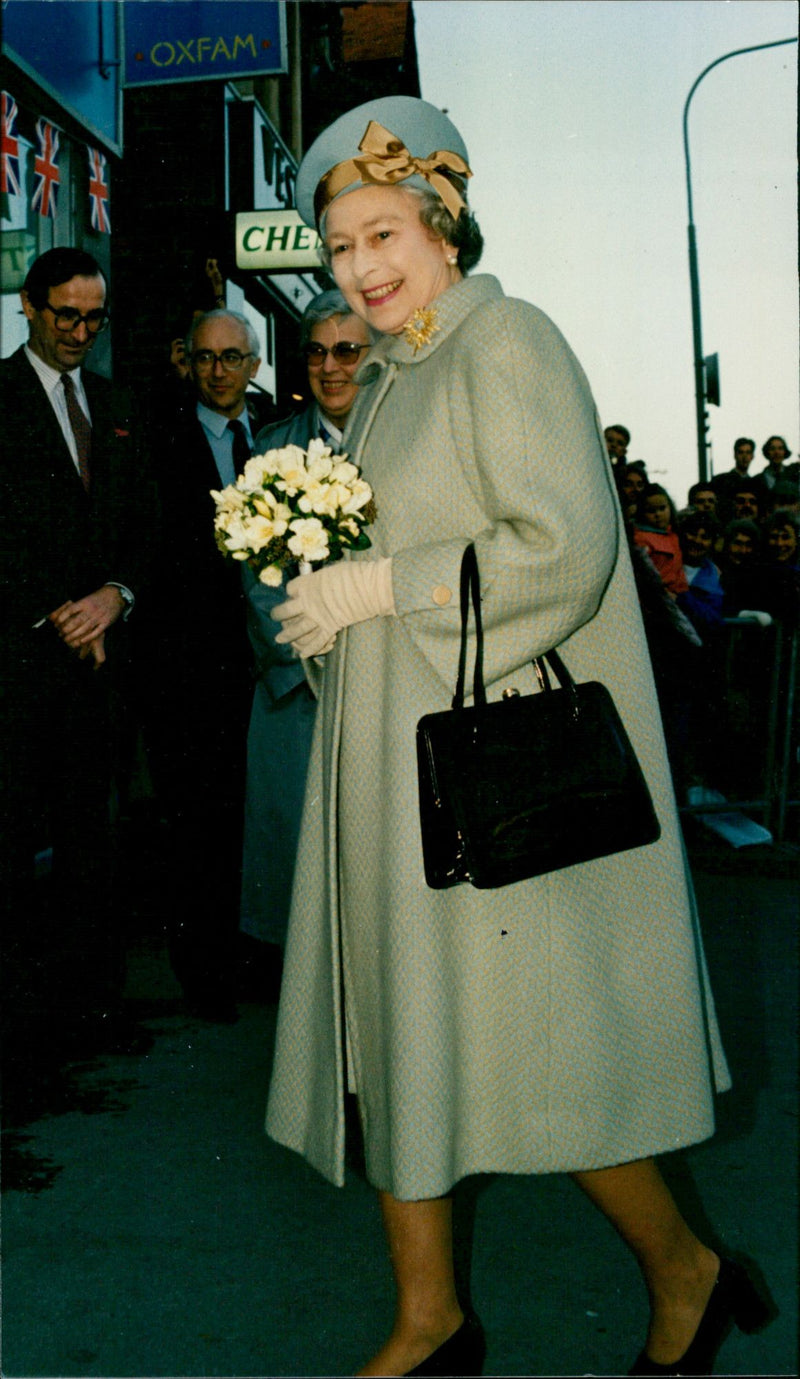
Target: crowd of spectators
x=728, y=559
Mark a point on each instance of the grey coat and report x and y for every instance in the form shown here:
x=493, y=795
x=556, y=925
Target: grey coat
x=561, y=1023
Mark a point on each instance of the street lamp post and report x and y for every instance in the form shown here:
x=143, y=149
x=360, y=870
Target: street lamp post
x=694, y=277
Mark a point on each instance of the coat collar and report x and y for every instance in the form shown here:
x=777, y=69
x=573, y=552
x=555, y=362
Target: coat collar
x=451, y=308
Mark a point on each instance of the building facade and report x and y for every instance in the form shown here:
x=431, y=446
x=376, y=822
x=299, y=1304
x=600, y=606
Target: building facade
x=180, y=157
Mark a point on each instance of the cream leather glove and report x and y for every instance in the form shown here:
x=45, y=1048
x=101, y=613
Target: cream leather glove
x=321, y=604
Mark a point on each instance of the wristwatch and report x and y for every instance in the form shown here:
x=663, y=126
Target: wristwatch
x=126, y=596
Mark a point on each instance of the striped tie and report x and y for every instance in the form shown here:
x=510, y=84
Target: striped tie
x=81, y=429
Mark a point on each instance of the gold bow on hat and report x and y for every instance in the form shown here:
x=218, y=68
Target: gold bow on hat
x=387, y=161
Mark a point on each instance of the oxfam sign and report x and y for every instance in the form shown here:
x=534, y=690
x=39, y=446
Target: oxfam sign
x=201, y=40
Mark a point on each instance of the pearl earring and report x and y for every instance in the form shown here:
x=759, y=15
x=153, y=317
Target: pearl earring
x=452, y=259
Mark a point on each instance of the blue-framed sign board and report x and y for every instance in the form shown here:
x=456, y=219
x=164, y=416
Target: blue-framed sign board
x=72, y=51
x=202, y=40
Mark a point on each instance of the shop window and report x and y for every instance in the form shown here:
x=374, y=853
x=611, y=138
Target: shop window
x=25, y=233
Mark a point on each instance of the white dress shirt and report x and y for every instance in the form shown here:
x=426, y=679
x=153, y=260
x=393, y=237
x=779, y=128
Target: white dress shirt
x=51, y=382
x=215, y=425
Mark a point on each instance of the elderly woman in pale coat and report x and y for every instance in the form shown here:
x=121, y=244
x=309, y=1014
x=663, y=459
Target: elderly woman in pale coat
x=561, y=1023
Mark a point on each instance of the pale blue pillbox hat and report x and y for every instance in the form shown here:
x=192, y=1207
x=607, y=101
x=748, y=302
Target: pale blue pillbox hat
x=383, y=142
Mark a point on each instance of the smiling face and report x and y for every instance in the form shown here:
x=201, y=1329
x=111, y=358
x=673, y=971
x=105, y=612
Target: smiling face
x=219, y=389
x=64, y=350
x=331, y=380
x=782, y=543
x=775, y=450
x=696, y=545
x=385, y=261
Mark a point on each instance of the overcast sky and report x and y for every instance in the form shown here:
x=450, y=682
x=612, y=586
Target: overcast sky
x=572, y=114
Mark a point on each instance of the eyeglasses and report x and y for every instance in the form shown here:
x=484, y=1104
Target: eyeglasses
x=344, y=352
x=231, y=360
x=68, y=318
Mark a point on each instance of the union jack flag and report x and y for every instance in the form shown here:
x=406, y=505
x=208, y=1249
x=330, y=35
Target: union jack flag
x=98, y=191
x=9, y=146
x=45, y=169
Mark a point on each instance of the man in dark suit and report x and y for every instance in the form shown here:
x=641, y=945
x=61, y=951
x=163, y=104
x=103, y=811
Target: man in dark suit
x=73, y=549
x=730, y=480
x=198, y=666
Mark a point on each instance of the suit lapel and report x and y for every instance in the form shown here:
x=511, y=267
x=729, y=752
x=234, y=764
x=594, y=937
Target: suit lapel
x=46, y=434
x=204, y=474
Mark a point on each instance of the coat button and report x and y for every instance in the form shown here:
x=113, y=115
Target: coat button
x=441, y=595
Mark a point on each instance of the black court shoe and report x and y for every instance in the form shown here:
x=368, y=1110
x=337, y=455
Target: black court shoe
x=734, y=1301
x=462, y=1354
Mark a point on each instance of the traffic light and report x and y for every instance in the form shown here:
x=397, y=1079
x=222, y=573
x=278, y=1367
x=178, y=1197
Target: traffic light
x=711, y=367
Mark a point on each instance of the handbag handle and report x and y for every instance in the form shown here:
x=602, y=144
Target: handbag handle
x=471, y=588
x=470, y=584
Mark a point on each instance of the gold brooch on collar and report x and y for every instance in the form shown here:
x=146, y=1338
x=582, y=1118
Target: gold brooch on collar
x=420, y=328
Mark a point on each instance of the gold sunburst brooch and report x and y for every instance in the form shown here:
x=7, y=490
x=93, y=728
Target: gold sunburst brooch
x=420, y=328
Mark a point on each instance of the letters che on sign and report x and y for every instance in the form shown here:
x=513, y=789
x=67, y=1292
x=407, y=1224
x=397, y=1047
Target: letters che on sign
x=275, y=240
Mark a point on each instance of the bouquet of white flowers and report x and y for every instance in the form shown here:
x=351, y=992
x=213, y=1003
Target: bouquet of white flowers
x=293, y=506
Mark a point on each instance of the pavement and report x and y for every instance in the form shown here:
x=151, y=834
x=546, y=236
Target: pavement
x=150, y=1228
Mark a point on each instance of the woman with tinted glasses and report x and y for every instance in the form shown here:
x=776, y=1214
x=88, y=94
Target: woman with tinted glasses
x=562, y=1023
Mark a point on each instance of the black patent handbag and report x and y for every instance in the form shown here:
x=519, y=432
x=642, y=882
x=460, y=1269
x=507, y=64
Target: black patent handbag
x=527, y=784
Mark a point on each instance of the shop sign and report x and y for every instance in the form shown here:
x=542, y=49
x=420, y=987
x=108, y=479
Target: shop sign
x=203, y=40
x=275, y=171
x=275, y=241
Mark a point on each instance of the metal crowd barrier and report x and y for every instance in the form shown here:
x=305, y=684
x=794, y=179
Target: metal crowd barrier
x=760, y=689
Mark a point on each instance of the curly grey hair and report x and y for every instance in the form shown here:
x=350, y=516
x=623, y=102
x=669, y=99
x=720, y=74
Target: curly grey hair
x=321, y=308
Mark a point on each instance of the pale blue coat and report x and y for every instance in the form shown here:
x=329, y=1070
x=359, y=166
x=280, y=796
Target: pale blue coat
x=561, y=1023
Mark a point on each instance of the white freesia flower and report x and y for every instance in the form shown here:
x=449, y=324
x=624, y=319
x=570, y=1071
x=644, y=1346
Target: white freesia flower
x=269, y=506
x=237, y=538
x=317, y=448
x=319, y=466
x=229, y=500
x=291, y=505
x=309, y=539
x=324, y=500
x=358, y=496
x=290, y=468
x=344, y=472
x=256, y=470
x=261, y=530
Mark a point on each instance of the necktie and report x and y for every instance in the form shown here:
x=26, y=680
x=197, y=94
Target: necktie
x=241, y=445
x=81, y=429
